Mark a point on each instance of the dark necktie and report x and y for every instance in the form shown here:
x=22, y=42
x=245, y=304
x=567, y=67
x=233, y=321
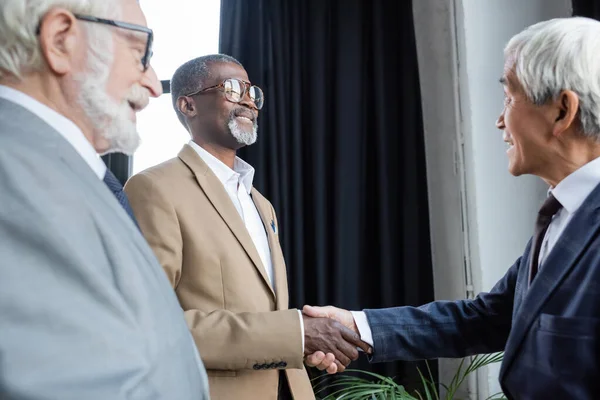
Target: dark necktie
x=115, y=186
x=549, y=208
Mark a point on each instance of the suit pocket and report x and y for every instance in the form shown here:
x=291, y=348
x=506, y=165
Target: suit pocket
x=567, y=346
x=569, y=326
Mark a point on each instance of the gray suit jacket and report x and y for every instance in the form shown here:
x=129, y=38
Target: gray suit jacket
x=86, y=311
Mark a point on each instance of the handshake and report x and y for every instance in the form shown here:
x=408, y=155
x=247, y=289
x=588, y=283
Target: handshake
x=331, y=338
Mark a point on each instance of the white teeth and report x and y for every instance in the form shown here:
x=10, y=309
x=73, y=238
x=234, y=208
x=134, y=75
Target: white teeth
x=245, y=118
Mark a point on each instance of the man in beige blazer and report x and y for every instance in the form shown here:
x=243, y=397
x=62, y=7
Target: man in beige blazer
x=217, y=239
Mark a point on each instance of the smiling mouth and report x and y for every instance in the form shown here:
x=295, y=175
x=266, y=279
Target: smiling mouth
x=135, y=107
x=508, y=140
x=244, y=118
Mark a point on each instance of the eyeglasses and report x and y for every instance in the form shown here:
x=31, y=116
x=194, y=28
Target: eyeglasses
x=235, y=90
x=132, y=27
x=125, y=25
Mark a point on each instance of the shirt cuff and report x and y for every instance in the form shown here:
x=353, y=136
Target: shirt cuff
x=364, y=330
x=301, y=329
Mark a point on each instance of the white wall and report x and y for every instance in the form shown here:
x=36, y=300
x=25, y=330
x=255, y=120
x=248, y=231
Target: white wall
x=481, y=216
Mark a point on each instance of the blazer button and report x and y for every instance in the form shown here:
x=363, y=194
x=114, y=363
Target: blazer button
x=282, y=364
x=273, y=365
x=256, y=367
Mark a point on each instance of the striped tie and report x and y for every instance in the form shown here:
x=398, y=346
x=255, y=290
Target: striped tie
x=115, y=186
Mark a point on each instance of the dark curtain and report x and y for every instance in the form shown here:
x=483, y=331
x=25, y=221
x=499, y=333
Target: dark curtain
x=340, y=152
x=120, y=165
x=587, y=8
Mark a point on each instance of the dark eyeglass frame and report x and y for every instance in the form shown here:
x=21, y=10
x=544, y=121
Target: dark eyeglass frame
x=126, y=25
x=123, y=25
x=247, y=87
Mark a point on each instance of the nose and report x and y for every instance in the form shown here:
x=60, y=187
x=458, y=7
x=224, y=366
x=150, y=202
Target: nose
x=247, y=101
x=150, y=81
x=500, y=121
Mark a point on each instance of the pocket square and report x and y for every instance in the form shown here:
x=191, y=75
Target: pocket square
x=273, y=227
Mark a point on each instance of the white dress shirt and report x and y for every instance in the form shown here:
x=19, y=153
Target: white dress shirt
x=571, y=192
x=68, y=130
x=238, y=185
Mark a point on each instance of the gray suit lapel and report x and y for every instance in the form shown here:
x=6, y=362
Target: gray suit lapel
x=90, y=183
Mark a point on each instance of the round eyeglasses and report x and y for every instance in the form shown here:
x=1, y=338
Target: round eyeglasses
x=235, y=90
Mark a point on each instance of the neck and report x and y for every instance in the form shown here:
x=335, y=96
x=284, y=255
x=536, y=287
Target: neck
x=54, y=95
x=570, y=159
x=223, y=154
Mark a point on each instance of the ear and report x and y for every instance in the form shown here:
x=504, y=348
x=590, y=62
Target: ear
x=187, y=106
x=566, y=108
x=58, y=36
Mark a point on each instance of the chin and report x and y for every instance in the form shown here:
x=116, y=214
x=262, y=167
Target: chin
x=242, y=136
x=518, y=169
x=515, y=172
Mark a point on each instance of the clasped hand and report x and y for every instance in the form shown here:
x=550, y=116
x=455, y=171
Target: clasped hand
x=331, y=338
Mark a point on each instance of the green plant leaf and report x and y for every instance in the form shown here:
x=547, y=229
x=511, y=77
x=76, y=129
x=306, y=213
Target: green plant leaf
x=368, y=385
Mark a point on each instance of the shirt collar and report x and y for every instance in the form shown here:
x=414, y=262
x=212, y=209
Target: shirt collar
x=67, y=129
x=242, y=172
x=572, y=191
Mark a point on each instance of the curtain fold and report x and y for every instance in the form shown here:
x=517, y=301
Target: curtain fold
x=120, y=164
x=340, y=151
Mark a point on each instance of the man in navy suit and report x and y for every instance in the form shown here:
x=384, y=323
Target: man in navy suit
x=545, y=312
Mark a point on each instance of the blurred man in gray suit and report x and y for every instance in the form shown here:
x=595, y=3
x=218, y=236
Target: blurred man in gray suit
x=86, y=311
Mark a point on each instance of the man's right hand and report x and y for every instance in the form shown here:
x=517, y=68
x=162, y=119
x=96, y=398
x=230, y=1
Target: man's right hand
x=328, y=361
x=327, y=336
x=344, y=317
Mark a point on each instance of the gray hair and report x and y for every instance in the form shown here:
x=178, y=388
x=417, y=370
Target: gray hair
x=19, y=48
x=192, y=76
x=561, y=54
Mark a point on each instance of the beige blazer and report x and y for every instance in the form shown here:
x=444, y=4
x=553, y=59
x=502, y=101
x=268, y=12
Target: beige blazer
x=243, y=329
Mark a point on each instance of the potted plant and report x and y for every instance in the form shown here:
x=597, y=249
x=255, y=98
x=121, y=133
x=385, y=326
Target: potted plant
x=370, y=386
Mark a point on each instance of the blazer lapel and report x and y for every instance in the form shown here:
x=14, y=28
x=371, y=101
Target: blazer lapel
x=102, y=193
x=276, y=256
x=562, y=259
x=220, y=200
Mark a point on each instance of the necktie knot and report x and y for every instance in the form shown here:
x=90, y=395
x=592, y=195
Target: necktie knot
x=550, y=206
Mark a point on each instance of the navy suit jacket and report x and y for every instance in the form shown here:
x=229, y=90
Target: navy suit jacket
x=549, y=331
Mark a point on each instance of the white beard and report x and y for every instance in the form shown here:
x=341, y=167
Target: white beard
x=112, y=121
x=108, y=119
x=243, y=136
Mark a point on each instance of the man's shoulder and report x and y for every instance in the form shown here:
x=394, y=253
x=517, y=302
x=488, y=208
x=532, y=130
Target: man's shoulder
x=167, y=179
x=166, y=171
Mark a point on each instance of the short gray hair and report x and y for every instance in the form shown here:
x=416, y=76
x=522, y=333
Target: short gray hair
x=192, y=76
x=561, y=54
x=19, y=47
